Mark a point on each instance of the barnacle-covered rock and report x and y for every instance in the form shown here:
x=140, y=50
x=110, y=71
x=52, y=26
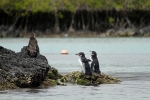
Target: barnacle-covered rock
x=77, y=77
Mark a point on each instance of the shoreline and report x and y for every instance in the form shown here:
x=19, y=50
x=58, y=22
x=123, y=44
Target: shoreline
x=77, y=35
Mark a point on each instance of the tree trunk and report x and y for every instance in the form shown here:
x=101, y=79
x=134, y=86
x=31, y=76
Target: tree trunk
x=56, y=26
x=78, y=23
x=96, y=23
x=83, y=24
x=106, y=21
x=26, y=26
x=71, y=29
x=128, y=21
x=14, y=23
x=92, y=21
x=88, y=21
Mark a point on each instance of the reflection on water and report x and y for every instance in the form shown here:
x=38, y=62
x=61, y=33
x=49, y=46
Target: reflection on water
x=124, y=58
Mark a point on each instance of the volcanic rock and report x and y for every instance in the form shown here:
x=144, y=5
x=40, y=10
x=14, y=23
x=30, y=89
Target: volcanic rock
x=21, y=70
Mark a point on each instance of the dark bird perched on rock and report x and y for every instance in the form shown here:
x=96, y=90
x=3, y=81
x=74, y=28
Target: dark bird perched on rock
x=95, y=62
x=84, y=63
x=33, y=48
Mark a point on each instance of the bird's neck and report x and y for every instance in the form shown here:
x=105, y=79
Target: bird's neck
x=93, y=57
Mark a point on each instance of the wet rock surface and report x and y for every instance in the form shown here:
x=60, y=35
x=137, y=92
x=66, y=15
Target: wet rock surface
x=21, y=70
x=76, y=77
x=52, y=78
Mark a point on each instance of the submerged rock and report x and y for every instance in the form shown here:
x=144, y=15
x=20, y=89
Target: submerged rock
x=76, y=77
x=21, y=70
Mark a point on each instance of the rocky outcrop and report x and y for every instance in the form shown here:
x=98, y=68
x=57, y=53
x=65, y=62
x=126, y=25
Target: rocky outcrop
x=76, y=77
x=21, y=70
x=145, y=31
x=122, y=32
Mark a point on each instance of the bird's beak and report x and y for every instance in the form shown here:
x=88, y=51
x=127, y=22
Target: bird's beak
x=91, y=53
x=77, y=54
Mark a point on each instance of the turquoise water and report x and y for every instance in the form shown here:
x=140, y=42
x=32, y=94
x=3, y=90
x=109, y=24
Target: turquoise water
x=125, y=58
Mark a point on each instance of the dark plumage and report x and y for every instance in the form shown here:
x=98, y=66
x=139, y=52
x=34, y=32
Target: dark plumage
x=95, y=62
x=84, y=64
x=33, y=48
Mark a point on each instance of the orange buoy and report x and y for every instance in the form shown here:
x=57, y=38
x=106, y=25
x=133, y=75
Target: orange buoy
x=64, y=52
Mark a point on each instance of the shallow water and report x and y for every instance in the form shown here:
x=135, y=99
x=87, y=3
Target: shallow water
x=124, y=58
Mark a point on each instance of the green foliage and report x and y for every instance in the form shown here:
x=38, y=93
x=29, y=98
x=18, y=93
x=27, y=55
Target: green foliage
x=44, y=6
x=25, y=6
x=111, y=20
x=60, y=15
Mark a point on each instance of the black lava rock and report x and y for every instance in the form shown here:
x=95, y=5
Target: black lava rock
x=22, y=70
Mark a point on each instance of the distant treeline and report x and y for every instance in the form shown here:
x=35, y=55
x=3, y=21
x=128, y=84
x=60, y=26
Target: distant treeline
x=69, y=16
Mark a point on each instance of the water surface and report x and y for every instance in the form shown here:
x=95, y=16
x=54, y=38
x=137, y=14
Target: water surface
x=124, y=58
